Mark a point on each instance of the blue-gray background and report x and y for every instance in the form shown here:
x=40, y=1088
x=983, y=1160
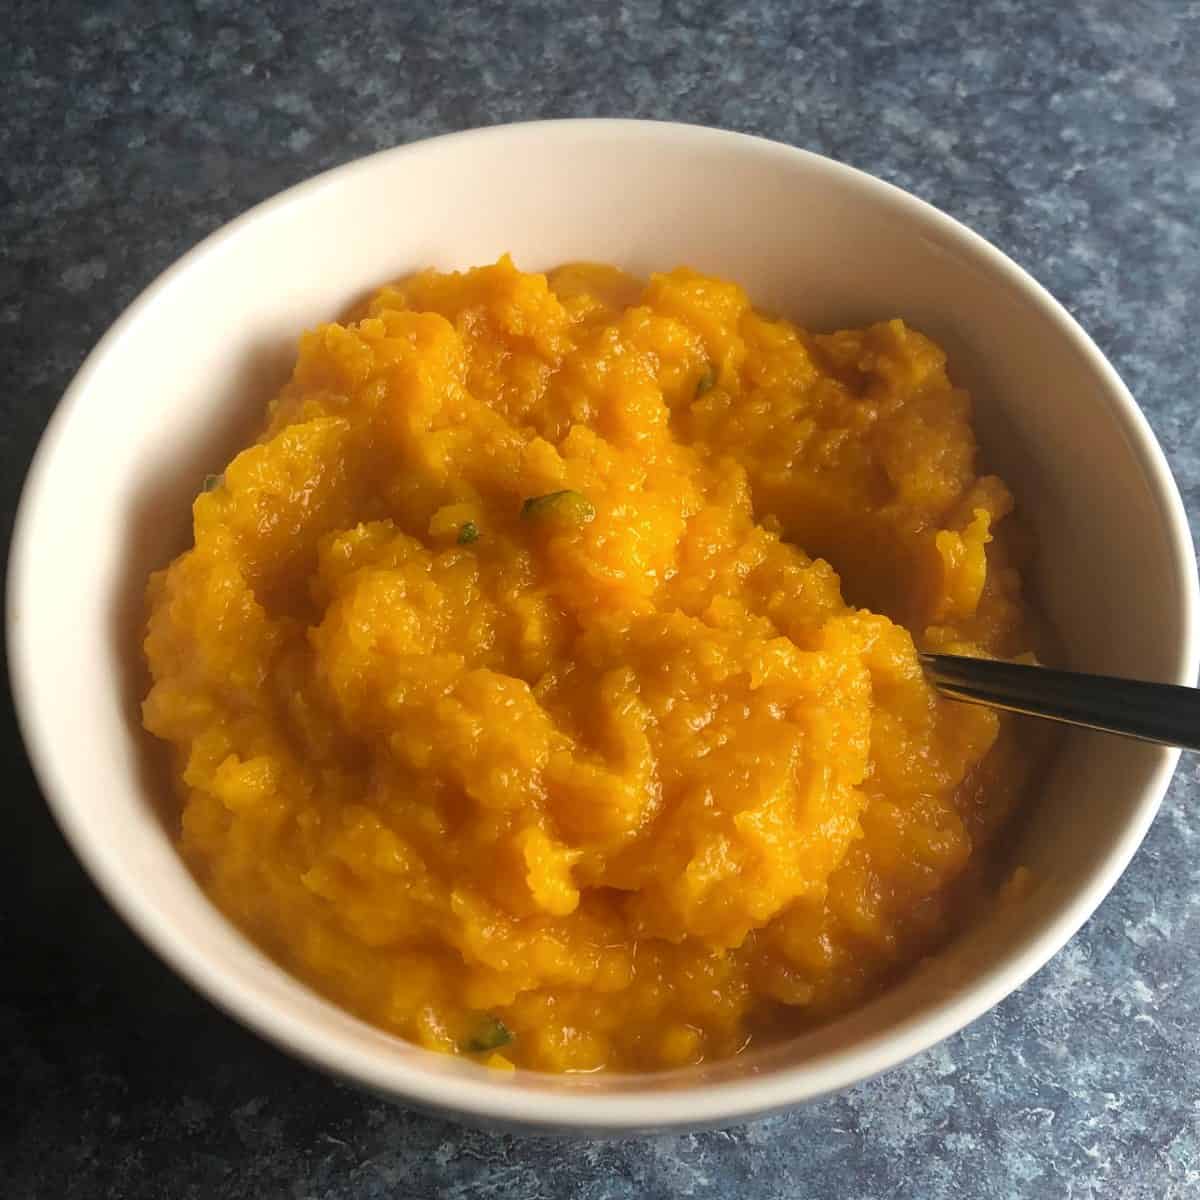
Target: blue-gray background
x=1067, y=133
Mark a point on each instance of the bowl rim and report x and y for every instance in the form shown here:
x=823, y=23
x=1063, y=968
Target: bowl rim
x=481, y=1095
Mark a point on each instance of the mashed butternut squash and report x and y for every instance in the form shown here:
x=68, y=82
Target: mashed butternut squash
x=543, y=682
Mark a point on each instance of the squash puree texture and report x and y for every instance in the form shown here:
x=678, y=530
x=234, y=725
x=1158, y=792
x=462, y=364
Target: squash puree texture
x=543, y=686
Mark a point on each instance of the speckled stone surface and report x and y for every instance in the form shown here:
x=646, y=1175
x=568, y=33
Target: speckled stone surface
x=1068, y=133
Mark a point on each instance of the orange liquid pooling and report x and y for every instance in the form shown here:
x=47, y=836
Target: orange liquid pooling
x=510, y=709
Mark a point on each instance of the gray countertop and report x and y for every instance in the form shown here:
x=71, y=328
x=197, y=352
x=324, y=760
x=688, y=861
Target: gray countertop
x=1068, y=134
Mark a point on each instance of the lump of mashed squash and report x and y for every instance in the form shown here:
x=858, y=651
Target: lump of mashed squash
x=543, y=682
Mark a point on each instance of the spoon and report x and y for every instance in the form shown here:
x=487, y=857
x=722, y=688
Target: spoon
x=1163, y=713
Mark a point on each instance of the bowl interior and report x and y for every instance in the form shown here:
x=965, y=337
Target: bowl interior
x=183, y=378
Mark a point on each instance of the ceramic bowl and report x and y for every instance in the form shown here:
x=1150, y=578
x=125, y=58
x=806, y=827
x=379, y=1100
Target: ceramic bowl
x=181, y=380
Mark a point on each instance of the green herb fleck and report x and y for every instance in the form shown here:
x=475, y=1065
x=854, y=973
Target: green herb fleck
x=705, y=382
x=569, y=506
x=468, y=533
x=490, y=1034
x=212, y=482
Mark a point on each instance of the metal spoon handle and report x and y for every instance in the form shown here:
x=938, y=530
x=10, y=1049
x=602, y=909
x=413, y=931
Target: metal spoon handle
x=1153, y=712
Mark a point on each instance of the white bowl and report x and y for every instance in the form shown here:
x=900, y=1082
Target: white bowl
x=181, y=379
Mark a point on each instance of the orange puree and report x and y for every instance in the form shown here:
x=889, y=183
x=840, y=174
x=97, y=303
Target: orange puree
x=509, y=707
